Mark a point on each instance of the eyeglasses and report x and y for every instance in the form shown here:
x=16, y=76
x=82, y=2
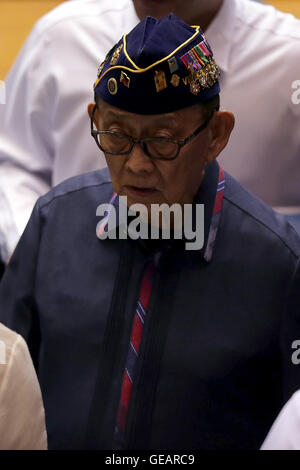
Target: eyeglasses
x=157, y=148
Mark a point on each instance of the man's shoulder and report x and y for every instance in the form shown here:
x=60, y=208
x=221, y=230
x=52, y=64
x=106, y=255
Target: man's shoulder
x=265, y=224
x=83, y=10
x=84, y=185
x=263, y=18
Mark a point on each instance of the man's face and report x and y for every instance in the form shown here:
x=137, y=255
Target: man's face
x=148, y=181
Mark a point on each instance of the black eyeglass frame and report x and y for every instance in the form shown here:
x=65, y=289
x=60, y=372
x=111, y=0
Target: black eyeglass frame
x=143, y=142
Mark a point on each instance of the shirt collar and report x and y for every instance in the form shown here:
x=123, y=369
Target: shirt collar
x=210, y=194
x=220, y=33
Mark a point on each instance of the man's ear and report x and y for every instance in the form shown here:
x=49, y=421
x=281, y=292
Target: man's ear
x=220, y=129
x=90, y=108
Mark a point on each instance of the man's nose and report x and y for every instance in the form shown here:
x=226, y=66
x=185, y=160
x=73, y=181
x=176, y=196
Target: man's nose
x=138, y=161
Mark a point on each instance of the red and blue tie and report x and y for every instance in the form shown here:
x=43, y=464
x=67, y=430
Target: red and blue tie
x=133, y=353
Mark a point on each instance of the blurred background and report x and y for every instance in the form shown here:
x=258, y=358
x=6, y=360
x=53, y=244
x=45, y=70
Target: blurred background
x=16, y=20
x=18, y=16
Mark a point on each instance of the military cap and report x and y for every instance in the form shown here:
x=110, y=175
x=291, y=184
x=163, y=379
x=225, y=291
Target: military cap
x=161, y=66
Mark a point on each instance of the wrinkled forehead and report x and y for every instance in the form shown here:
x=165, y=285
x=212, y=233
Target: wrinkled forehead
x=109, y=113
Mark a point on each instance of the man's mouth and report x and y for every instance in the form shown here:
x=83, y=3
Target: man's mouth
x=140, y=190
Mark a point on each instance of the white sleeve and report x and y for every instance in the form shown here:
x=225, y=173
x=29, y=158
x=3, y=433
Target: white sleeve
x=22, y=417
x=26, y=147
x=285, y=432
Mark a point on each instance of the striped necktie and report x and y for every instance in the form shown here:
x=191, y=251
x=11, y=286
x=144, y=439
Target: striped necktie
x=133, y=353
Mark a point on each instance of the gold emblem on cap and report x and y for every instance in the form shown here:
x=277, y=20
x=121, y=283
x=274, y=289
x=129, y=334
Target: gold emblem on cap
x=116, y=55
x=99, y=73
x=160, y=80
x=112, y=86
x=173, y=65
x=125, y=79
x=101, y=66
x=175, y=79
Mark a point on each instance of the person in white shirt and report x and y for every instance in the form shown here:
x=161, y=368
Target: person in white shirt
x=256, y=47
x=285, y=432
x=22, y=415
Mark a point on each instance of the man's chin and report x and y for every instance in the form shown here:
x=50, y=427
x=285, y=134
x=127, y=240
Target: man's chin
x=155, y=8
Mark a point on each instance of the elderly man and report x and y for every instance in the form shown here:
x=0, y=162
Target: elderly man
x=146, y=343
x=43, y=115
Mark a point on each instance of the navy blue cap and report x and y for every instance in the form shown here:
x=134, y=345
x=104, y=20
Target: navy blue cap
x=161, y=66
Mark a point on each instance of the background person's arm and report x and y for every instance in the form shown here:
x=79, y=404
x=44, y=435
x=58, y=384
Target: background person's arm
x=22, y=418
x=26, y=146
